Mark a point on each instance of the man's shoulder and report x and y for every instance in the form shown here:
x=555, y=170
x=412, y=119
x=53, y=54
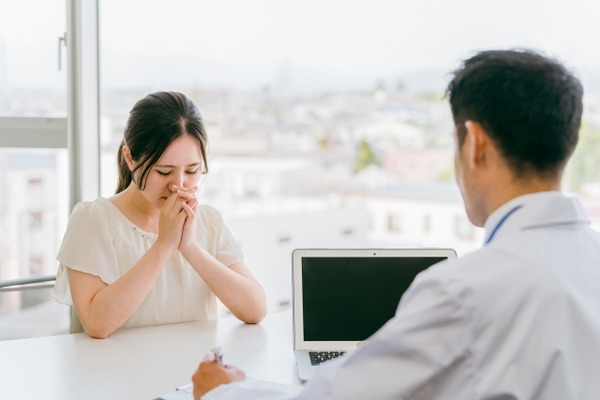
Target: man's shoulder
x=482, y=272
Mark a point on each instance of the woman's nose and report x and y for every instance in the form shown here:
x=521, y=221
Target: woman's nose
x=179, y=179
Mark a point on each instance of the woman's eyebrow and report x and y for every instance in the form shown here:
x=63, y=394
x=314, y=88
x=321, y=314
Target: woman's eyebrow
x=174, y=166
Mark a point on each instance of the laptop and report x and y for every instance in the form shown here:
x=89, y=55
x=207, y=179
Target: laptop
x=343, y=296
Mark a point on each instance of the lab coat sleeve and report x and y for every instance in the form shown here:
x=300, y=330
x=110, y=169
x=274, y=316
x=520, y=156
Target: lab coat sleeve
x=419, y=353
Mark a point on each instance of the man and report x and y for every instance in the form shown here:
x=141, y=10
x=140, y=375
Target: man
x=518, y=319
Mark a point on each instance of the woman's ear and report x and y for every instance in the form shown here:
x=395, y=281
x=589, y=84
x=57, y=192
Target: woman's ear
x=128, y=158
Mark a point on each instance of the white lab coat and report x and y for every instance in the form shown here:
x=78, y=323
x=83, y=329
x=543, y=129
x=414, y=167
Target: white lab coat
x=518, y=319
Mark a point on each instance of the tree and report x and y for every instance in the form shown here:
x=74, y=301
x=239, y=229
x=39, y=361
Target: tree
x=365, y=156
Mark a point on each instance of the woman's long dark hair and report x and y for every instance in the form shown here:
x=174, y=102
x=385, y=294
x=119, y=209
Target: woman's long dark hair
x=154, y=123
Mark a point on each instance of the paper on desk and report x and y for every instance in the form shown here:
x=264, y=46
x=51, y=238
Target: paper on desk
x=247, y=389
x=177, y=395
x=184, y=392
x=250, y=389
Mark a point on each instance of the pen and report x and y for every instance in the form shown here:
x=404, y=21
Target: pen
x=189, y=388
x=218, y=352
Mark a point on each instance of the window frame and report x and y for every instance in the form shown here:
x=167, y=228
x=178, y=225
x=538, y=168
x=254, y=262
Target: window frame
x=79, y=131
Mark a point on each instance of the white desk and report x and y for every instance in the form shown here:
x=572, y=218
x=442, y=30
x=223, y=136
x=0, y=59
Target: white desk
x=142, y=363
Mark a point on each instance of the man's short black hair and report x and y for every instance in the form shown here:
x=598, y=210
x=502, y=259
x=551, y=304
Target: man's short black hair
x=529, y=104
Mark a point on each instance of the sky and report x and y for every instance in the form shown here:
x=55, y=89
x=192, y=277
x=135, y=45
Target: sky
x=310, y=44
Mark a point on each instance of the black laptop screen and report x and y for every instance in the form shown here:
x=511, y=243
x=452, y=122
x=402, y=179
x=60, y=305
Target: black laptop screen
x=349, y=298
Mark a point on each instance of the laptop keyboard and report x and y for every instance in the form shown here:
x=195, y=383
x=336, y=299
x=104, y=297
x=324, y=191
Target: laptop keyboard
x=318, y=357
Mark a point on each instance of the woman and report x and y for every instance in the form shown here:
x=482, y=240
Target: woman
x=151, y=254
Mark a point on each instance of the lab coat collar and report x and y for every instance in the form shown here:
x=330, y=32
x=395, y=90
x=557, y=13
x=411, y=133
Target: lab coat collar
x=536, y=210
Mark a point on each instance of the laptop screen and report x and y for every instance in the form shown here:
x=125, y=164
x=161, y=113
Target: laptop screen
x=349, y=298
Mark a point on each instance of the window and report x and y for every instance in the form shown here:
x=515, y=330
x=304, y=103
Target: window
x=40, y=178
x=314, y=133
x=315, y=107
x=33, y=136
x=31, y=84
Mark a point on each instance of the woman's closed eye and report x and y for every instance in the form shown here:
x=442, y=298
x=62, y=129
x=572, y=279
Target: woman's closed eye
x=167, y=173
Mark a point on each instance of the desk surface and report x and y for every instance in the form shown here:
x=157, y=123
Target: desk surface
x=142, y=363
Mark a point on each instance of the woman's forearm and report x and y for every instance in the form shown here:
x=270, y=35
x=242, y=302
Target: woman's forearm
x=235, y=286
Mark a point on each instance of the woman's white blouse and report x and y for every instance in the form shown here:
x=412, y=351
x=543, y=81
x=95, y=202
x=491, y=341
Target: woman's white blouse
x=101, y=241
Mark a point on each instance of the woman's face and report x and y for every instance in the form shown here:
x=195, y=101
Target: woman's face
x=180, y=165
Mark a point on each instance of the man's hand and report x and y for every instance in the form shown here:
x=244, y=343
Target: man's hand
x=211, y=374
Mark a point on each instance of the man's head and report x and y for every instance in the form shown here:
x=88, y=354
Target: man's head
x=527, y=106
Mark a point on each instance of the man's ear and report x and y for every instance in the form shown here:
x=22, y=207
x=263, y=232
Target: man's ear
x=128, y=157
x=477, y=143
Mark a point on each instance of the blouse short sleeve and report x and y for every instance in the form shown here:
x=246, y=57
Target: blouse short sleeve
x=220, y=241
x=86, y=247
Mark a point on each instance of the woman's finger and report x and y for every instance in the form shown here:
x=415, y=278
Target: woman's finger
x=186, y=195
